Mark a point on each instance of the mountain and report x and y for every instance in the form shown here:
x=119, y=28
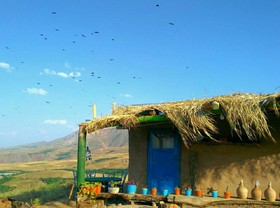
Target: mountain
x=66, y=147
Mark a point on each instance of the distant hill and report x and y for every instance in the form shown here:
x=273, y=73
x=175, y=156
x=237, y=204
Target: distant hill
x=66, y=147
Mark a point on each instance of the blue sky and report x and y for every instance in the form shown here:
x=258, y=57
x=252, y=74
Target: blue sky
x=57, y=58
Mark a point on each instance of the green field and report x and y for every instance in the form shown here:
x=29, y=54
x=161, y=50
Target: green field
x=45, y=181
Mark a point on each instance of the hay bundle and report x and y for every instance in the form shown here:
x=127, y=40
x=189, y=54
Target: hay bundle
x=244, y=113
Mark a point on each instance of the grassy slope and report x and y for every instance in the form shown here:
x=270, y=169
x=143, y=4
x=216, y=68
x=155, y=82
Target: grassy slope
x=30, y=180
x=56, y=159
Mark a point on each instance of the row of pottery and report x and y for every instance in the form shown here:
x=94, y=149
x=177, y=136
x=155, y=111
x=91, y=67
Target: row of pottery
x=256, y=192
x=165, y=191
x=241, y=191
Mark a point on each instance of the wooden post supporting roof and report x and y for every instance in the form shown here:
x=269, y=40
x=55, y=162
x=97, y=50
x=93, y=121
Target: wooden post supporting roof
x=81, y=163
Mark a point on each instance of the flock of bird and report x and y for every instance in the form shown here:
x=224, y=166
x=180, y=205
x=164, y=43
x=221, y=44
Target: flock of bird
x=74, y=41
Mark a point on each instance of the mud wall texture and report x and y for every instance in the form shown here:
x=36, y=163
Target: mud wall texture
x=218, y=166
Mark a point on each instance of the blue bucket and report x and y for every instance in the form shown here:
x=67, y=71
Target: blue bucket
x=215, y=194
x=131, y=188
x=165, y=192
x=188, y=192
x=144, y=191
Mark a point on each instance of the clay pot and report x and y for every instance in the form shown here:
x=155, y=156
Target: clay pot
x=242, y=191
x=269, y=193
x=97, y=189
x=198, y=193
x=227, y=194
x=256, y=192
x=154, y=191
x=177, y=191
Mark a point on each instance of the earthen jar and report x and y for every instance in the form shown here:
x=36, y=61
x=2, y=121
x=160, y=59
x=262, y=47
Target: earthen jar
x=269, y=193
x=242, y=191
x=256, y=192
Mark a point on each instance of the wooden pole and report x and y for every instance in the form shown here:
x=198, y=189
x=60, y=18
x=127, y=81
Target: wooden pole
x=94, y=111
x=81, y=158
x=114, y=106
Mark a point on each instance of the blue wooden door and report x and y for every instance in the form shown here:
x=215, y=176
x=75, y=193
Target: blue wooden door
x=163, y=160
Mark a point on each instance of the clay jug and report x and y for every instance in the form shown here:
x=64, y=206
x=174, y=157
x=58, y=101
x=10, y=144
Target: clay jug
x=242, y=191
x=269, y=193
x=256, y=192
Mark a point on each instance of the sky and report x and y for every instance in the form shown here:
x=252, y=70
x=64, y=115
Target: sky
x=57, y=58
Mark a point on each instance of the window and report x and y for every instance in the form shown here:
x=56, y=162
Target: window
x=163, y=140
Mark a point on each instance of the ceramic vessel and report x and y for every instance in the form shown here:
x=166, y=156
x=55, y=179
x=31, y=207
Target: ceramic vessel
x=188, y=192
x=165, y=192
x=113, y=190
x=177, y=191
x=242, y=191
x=227, y=194
x=144, y=191
x=131, y=188
x=154, y=191
x=198, y=193
x=269, y=193
x=215, y=194
x=256, y=192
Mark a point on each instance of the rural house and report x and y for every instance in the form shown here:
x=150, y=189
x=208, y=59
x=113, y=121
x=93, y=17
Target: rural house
x=202, y=143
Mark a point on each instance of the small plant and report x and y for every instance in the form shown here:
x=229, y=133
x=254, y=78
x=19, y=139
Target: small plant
x=87, y=192
x=131, y=182
x=210, y=190
x=114, y=183
x=227, y=193
x=188, y=187
x=145, y=186
x=227, y=189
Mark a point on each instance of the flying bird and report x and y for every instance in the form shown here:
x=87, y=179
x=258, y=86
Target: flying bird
x=112, y=59
x=171, y=23
x=7, y=47
x=83, y=35
x=53, y=12
x=56, y=29
x=48, y=102
x=157, y=5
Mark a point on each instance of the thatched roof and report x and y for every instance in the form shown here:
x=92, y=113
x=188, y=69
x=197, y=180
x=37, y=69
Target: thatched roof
x=244, y=113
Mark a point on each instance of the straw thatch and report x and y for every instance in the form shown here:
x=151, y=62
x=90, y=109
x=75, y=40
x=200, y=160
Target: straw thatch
x=244, y=113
